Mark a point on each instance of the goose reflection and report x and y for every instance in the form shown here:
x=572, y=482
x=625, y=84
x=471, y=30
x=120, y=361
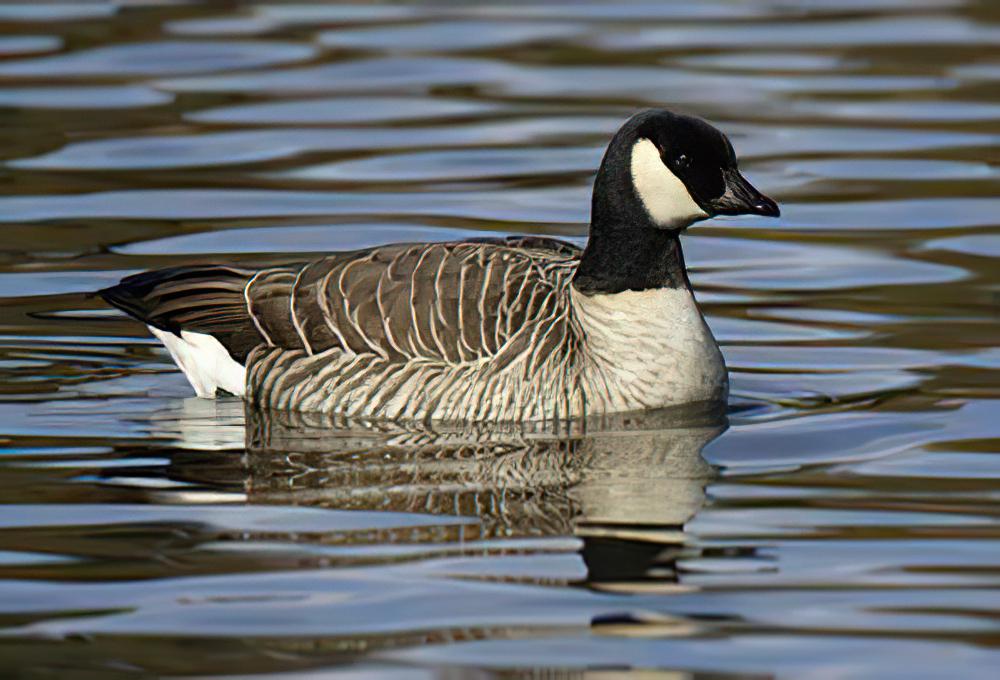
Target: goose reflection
x=624, y=484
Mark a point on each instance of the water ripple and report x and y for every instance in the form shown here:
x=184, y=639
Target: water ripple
x=160, y=58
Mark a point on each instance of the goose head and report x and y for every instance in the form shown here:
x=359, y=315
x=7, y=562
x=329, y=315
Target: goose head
x=662, y=172
x=667, y=170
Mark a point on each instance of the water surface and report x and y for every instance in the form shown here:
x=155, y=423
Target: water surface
x=839, y=519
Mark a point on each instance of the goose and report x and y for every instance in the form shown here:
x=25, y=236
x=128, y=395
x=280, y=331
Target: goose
x=515, y=329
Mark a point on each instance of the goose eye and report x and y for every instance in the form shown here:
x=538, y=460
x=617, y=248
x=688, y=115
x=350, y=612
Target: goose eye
x=683, y=161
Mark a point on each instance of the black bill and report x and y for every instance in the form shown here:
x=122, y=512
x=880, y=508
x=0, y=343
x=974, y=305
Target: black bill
x=741, y=198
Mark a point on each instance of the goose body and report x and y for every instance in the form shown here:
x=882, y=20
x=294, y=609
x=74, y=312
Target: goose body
x=523, y=328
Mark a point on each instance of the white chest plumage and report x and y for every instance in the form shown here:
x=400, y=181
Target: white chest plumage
x=647, y=349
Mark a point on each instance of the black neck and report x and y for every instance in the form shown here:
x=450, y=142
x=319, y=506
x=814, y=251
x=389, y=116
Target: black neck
x=630, y=258
x=626, y=251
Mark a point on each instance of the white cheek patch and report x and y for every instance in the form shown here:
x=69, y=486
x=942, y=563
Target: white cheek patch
x=664, y=196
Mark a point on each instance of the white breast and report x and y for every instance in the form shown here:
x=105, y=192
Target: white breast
x=647, y=349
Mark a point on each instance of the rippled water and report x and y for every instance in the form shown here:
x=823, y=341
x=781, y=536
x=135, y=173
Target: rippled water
x=839, y=521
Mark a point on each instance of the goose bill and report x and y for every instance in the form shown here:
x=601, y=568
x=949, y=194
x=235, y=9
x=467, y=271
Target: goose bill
x=742, y=198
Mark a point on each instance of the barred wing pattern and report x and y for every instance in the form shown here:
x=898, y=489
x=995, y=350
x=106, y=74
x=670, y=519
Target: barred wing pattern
x=450, y=331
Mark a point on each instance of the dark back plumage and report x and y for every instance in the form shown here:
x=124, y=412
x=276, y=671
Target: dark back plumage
x=198, y=298
x=455, y=302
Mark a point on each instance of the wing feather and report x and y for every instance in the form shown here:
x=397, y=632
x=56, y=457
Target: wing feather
x=454, y=302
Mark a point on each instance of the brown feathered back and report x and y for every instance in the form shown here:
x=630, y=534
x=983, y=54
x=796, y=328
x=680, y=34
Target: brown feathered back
x=454, y=302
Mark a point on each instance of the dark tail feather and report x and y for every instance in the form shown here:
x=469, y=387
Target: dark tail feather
x=202, y=298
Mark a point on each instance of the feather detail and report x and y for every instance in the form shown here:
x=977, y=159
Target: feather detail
x=472, y=330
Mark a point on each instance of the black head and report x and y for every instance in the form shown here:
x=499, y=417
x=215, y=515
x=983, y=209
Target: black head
x=662, y=172
x=673, y=170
